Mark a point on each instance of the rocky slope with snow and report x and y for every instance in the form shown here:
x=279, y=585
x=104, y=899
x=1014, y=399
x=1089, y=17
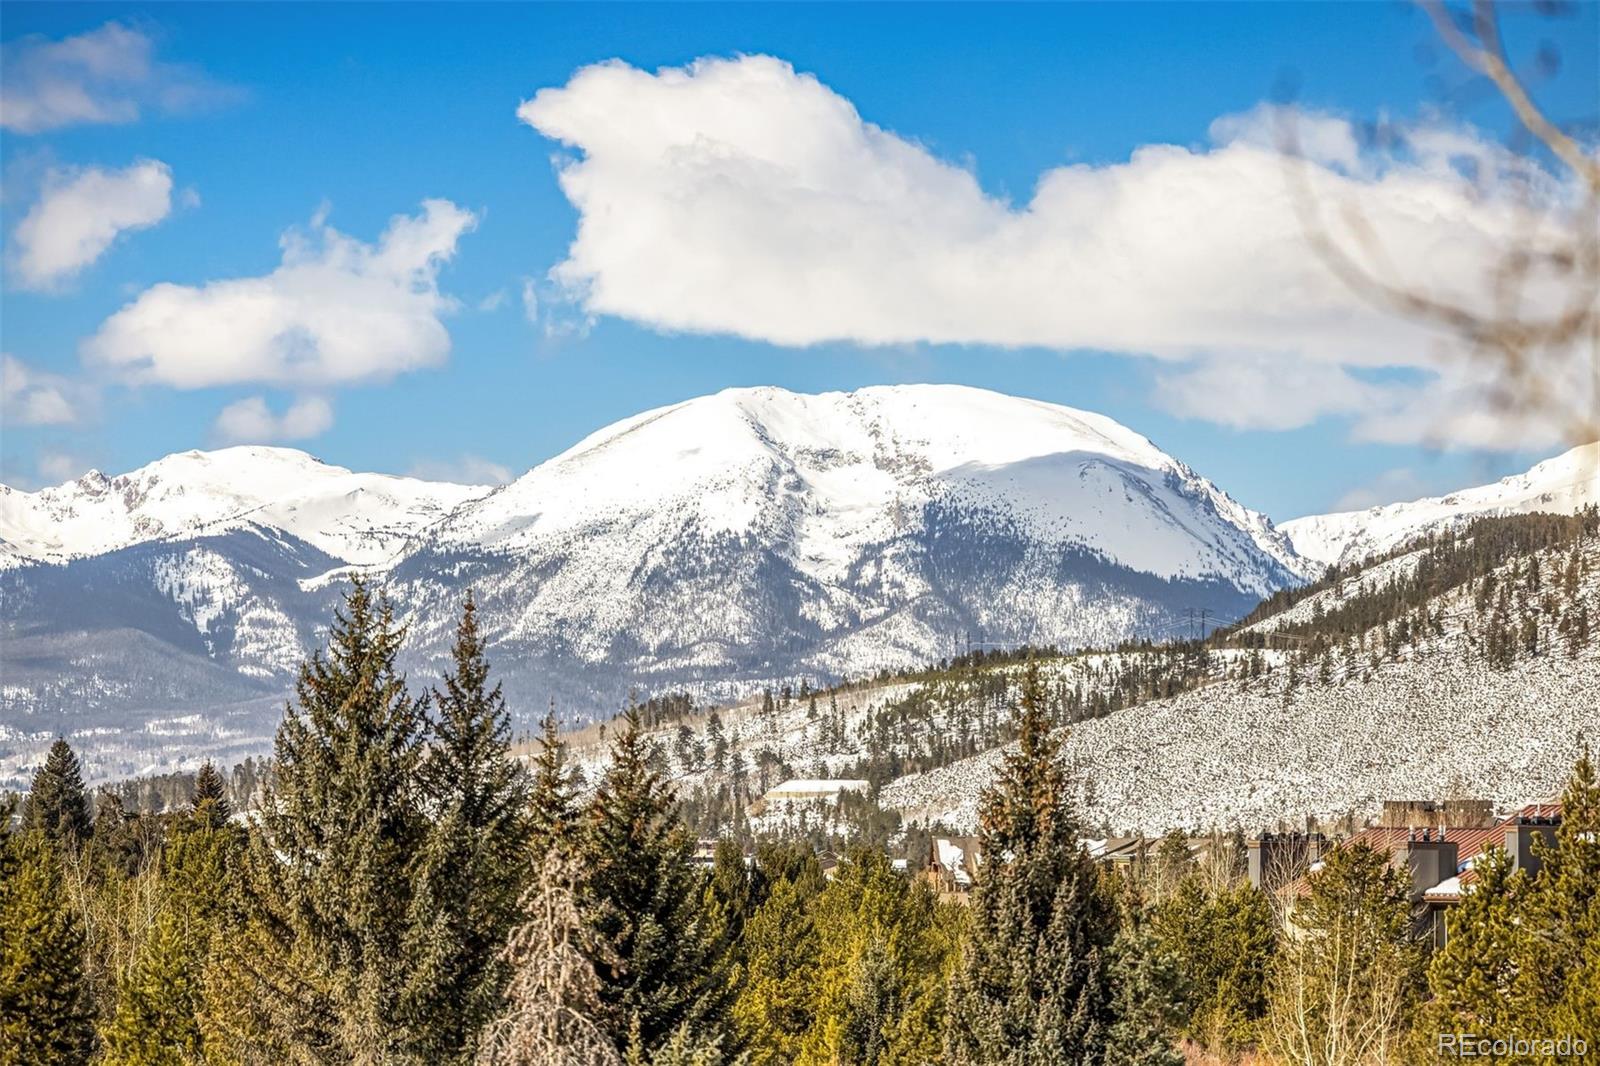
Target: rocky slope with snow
x=1562, y=485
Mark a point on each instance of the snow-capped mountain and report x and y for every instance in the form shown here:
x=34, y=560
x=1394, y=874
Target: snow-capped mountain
x=749, y=537
x=759, y=533
x=363, y=519
x=1563, y=485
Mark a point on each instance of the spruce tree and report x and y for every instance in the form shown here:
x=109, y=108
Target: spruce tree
x=45, y=1011
x=1472, y=975
x=884, y=952
x=319, y=968
x=210, y=804
x=156, y=1020
x=57, y=804
x=1033, y=987
x=1148, y=992
x=471, y=871
x=1223, y=938
x=1558, y=958
x=777, y=969
x=642, y=897
x=553, y=813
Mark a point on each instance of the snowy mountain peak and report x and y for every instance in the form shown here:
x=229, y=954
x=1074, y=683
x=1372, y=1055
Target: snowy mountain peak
x=360, y=518
x=830, y=474
x=1563, y=484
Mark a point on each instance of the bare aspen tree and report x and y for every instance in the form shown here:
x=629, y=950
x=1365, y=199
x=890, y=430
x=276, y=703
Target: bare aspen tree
x=554, y=993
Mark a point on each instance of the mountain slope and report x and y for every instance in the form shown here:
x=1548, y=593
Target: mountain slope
x=362, y=519
x=758, y=534
x=1385, y=682
x=1561, y=485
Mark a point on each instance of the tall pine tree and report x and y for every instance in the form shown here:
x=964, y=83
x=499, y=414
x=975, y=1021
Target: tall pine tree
x=45, y=1012
x=210, y=804
x=1558, y=961
x=552, y=804
x=1472, y=975
x=57, y=804
x=643, y=898
x=321, y=963
x=156, y=1020
x=1033, y=987
x=471, y=871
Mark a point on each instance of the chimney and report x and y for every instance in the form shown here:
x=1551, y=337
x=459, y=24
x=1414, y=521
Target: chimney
x=1521, y=832
x=1428, y=858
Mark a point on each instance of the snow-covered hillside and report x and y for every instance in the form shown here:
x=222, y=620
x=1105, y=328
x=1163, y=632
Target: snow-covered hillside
x=363, y=519
x=1562, y=485
x=1255, y=744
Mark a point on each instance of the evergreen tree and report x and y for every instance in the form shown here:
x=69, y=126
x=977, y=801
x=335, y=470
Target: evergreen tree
x=57, y=804
x=210, y=796
x=777, y=969
x=1472, y=975
x=643, y=899
x=321, y=963
x=469, y=876
x=1223, y=939
x=158, y=1001
x=884, y=952
x=1558, y=962
x=45, y=1012
x=1148, y=991
x=1033, y=987
x=553, y=814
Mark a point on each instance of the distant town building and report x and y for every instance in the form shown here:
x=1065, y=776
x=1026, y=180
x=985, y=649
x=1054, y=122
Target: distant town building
x=953, y=864
x=1437, y=858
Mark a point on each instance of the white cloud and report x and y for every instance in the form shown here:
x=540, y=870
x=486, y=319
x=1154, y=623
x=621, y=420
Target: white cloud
x=336, y=311
x=462, y=470
x=530, y=301
x=56, y=468
x=1263, y=392
x=80, y=212
x=736, y=196
x=104, y=76
x=1391, y=486
x=32, y=397
x=251, y=421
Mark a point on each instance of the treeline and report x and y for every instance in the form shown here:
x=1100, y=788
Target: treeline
x=409, y=892
x=1447, y=561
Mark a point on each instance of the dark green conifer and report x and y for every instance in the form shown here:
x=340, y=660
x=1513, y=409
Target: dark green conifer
x=1472, y=975
x=45, y=1011
x=643, y=899
x=1033, y=986
x=321, y=964
x=210, y=804
x=470, y=874
x=57, y=804
x=552, y=804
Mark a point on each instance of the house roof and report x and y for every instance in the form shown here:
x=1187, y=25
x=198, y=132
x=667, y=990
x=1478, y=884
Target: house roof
x=1470, y=844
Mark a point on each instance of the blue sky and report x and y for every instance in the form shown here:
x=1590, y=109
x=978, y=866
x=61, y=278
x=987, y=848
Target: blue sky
x=269, y=118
